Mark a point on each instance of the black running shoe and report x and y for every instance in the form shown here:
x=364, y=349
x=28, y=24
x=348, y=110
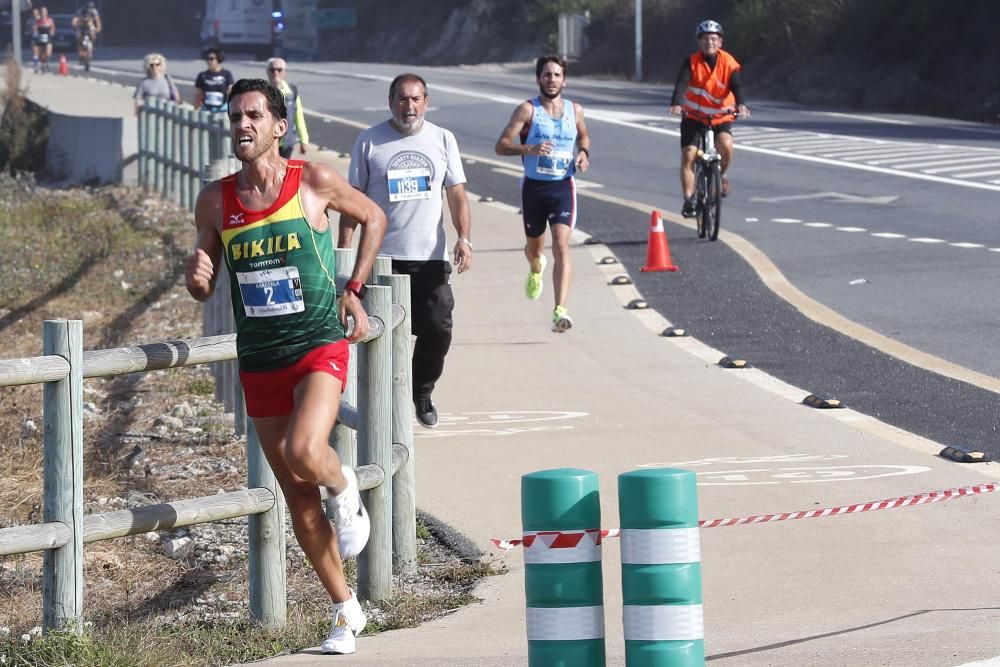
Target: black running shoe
x=427, y=414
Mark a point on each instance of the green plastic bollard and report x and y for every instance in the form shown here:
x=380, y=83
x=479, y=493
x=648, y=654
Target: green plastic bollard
x=661, y=568
x=563, y=585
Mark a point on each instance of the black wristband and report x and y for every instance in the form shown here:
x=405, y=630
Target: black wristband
x=584, y=149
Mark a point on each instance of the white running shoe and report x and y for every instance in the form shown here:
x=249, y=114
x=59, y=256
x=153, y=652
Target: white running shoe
x=350, y=518
x=348, y=622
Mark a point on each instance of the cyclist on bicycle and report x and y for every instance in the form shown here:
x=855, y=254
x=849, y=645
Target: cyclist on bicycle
x=88, y=24
x=708, y=84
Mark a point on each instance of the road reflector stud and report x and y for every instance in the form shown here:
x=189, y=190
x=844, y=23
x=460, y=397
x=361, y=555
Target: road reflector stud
x=727, y=362
x=962, y=455
x=620, y=280
x=674, y=332
x=486, y=198
x=822, y=402
x=608, y=260
x=590, y=240
x=637, y=304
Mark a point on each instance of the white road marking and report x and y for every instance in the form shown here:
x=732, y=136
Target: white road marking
x=736, y=460
x=967, y=245
x=809, y=475
x=888, y=235
x=873, y=119
x=786, y=221
x=924, y=239
x=817, y=224
x=851, y=229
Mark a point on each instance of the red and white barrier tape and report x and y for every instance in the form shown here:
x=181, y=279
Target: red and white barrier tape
x=905, y=501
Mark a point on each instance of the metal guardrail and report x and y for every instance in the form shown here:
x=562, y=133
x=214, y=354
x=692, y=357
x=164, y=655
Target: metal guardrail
x=176, y=146
x=382, y=423
x=179, y=150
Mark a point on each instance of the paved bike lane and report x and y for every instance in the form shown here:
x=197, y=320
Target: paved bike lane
x=908, y=586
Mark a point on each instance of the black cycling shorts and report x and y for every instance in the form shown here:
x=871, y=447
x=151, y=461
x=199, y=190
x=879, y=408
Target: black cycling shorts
x=690, y=129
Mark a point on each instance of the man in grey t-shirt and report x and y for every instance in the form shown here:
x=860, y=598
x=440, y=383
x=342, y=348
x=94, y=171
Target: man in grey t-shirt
x=403, y=164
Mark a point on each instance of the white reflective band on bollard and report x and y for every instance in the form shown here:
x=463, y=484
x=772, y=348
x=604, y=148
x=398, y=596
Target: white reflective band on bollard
x=559, y=548
x=565, y=623
x=660, y=546
x=665, y=622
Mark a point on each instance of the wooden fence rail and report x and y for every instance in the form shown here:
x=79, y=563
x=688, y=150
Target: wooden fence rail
x=385, y=453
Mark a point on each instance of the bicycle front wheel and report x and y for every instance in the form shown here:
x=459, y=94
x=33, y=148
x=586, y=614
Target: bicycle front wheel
x=713, y=202
x=700, y=192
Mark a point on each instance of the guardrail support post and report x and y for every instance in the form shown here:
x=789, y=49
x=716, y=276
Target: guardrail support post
x=268, y=604
x=62, y=570
x=404, y=502
x=344, y=439
x=375, y=446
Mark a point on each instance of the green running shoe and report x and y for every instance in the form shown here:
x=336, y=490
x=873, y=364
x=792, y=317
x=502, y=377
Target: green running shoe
x=533, y=285
x=561, y=321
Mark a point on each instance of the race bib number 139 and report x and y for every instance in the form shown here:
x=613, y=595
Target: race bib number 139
x=407, y=184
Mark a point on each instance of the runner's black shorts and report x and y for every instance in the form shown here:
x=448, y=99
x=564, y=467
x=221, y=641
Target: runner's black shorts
x=547, y=203
x=690, y=129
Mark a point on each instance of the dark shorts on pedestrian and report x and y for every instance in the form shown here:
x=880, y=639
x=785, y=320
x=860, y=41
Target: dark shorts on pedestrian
x=691, y=128
x=271, y=393
x=547, y=203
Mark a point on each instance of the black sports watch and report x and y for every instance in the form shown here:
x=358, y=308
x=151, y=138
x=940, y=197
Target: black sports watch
x=358, y=287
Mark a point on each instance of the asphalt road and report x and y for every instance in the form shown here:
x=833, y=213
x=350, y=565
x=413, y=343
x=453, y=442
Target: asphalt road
x=890, y=221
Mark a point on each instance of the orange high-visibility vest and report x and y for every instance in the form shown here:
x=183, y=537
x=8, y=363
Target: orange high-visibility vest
x=708, y=91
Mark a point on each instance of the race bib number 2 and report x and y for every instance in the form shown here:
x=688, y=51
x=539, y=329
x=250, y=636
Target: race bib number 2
x=271, y=292
x=407, y=184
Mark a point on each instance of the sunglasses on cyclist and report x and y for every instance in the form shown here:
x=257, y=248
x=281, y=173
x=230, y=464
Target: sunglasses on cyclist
x=275, y=69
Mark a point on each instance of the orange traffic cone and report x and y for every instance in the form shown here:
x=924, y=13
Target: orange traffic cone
x=63, y=66
x=658, y=252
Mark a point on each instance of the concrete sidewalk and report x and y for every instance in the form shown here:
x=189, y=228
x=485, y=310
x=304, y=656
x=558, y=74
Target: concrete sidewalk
x=611, y=395
x=908, y=587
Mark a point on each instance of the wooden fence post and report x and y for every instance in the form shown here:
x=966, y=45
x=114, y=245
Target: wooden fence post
x=344, y=439
x=268, y=603
x=62, y=577
x=404, y=503
x=375, y=446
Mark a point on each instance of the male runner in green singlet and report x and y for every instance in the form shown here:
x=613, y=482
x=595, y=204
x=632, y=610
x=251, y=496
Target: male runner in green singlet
x=268, y=223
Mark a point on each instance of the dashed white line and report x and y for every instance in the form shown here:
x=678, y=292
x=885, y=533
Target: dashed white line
x=817, y=224
x=851, y=229
x=888, y=235
x=967, y=245
x=924, y=239
x=786, y=221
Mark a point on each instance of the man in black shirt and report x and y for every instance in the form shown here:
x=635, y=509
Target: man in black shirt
x=211, y=88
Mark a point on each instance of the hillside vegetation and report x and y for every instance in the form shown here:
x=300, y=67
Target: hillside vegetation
x=935, y=57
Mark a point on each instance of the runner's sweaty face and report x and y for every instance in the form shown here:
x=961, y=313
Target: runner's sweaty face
x=551, y=81
x=253, y=129
x=408, y=106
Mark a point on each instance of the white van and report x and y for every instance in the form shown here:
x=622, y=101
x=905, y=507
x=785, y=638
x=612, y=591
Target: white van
x=247, y=26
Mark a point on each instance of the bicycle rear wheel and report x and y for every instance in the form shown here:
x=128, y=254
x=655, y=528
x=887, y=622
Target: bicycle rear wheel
x=713, y=201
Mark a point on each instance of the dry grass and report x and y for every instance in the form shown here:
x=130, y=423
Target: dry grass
x=113, y=258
